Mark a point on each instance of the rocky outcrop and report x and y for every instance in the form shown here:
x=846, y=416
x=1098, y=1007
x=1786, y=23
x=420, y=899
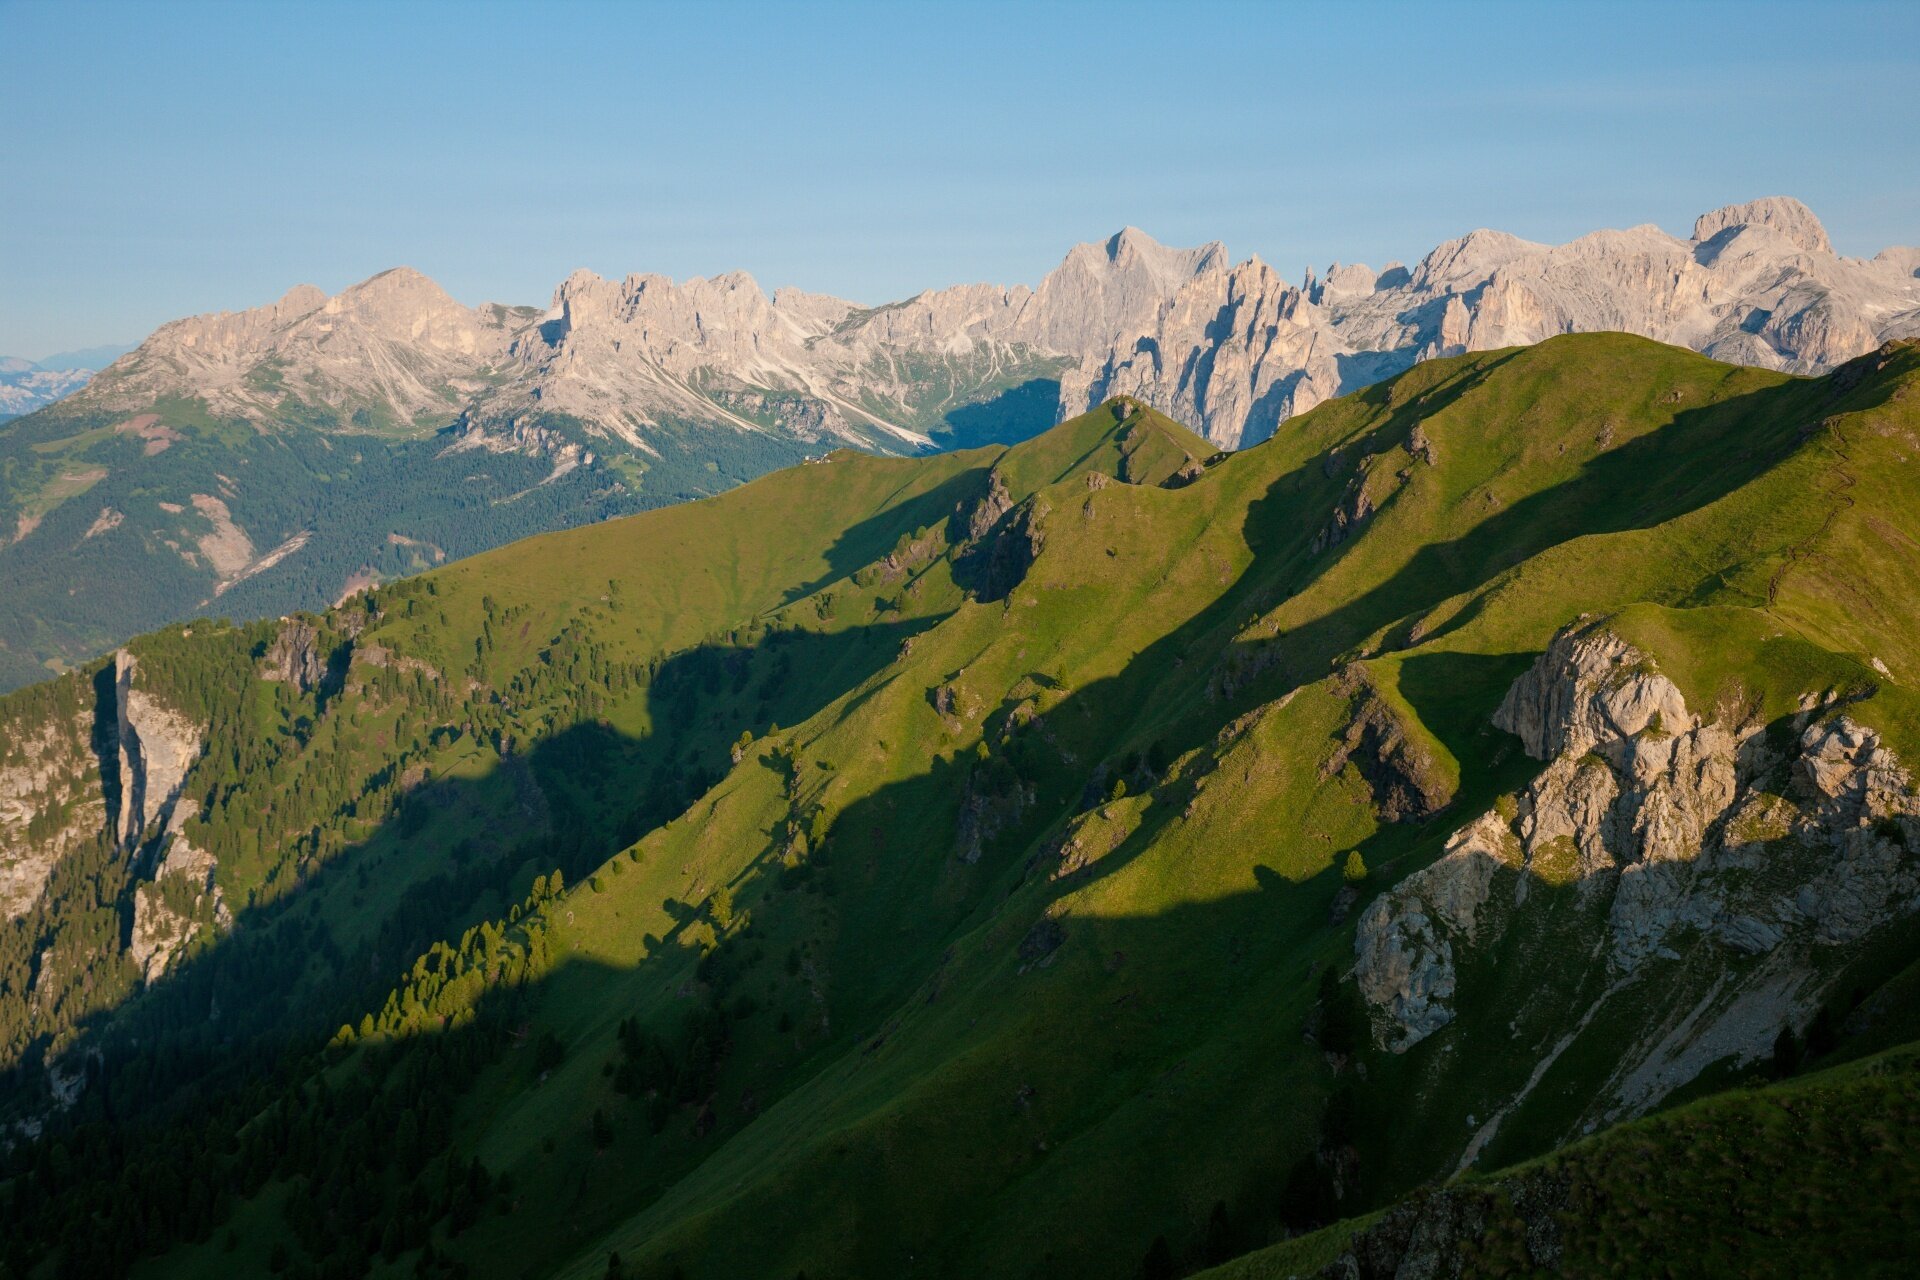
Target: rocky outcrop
x=1429, y=1235
x=180, y=900
x=389, y=349
x=68, y=775
x=1404, y=946
x=157, y=745
x=1788, y=219
x=1669, y=829
x=992, y=505
x=51, y=800
x=294, y=656
x=995, y=561
x=1407, y=782
x=302, y=657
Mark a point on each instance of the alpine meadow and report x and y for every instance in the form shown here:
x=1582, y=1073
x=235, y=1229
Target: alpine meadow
x=1098, y=853
x=1184, y=767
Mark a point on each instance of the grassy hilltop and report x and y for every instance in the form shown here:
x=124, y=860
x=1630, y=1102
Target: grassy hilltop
x=952, y=866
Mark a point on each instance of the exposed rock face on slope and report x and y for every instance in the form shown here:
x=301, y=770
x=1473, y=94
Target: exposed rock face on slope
x=1406, y=782
x=157, y=747
x=175, y=904
x=1673, y=834
x=115, y=773
x=46, y=769
x=393, y=349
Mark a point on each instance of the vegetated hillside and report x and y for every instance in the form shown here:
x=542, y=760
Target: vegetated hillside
x=1087, y=857
x=1815, y=1176
x=113, y=521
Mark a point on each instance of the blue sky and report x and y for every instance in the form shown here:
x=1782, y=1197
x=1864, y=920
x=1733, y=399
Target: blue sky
x=162, y=159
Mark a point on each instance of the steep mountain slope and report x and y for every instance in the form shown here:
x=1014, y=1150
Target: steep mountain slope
x=257, y=462
x=1016, y=861
x=1806, y=1178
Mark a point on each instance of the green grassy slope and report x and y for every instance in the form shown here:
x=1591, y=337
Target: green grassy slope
x=954, y=845
x=1816, y=1176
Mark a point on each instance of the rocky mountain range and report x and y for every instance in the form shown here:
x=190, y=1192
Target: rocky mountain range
x=26, y=386
x=283, y=456
x=1230, y=347
x=1236, y=350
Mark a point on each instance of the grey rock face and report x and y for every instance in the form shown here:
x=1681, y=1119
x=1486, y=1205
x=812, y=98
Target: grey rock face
x=1667, y=826
x=1403, y=949
x=1406, y=782
x=164, y=922
x=1236, y=350
x=57, y=772
x=395, y=344
x=157, y=747
x=295, y=657
x=46, y=768
x=1786, y=217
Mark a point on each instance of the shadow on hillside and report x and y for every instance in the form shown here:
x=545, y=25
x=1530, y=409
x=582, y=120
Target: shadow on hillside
x=1703, y=455
x=1016, y=414
x=888, y=873
x=280, y=981
x=870, y=539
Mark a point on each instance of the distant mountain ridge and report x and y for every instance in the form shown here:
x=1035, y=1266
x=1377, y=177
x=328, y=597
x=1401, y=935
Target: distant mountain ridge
x=284, y=456
x=26, y=385
x=1230, y=347
x=1236, y=350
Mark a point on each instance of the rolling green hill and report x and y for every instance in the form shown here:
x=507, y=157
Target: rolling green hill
x=1096, y=856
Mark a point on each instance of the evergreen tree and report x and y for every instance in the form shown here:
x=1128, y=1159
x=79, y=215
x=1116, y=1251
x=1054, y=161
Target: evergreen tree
x=1822, y=1037
x=1786, y=1053
x=1158, y=1264
x=1220, y=1235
